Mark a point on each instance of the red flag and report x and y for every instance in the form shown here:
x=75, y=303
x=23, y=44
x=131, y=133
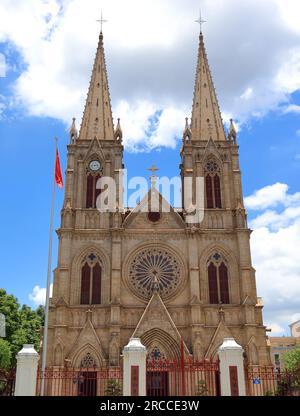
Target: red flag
x=58, y=175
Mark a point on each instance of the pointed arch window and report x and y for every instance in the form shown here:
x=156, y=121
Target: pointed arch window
x=92, y=192
x=218, y=284
x=213, y=185
x=91, y=276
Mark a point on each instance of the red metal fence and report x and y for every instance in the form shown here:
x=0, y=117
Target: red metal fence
x=270, y=381
x=184, y=377
x=7, y=382
x=81, y=382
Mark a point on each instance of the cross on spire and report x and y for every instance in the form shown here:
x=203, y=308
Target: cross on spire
x=101, y=21
x=201, y=21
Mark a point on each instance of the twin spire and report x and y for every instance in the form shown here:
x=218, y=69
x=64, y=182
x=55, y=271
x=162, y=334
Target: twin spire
x=206, y=119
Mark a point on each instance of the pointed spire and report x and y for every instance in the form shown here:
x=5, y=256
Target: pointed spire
x=232, y=134
x=118, y=132
x=73, y=132
x=97, y=119
x=187, y=134
x=206, y=116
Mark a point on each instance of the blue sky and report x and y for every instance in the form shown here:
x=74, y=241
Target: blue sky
x=37, y=100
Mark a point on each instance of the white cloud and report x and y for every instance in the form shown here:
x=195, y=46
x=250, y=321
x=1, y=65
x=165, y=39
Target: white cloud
x=152, y=60
x=2, y=66
x=38, y=295
x=275, y=220
x=247, y=94
x=268, y=196
x=275, y=244
x=292, y=108
x=276, y=329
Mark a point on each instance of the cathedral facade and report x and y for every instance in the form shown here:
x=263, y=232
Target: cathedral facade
x=153, y=275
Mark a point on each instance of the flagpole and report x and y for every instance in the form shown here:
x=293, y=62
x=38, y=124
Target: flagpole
x=45, y=337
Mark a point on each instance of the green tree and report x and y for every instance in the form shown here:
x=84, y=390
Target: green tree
x=292, y=359
x=5, y=355
x=113, y=388
x=23, y=325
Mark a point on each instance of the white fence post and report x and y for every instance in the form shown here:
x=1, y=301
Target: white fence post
x=26, y=376
x=232, y=375
x=134, y=368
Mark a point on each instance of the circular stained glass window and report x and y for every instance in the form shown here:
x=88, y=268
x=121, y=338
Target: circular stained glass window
x=154, y=268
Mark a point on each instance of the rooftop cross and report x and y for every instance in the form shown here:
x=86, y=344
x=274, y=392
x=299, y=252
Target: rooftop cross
x=201, y=21
x=101, y=21
x=153, y=169
x=153, y=178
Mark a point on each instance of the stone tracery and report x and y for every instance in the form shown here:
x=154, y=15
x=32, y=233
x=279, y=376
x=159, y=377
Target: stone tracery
x=154, y=268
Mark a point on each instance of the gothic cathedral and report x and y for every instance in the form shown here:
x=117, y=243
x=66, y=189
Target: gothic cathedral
x=153, y=275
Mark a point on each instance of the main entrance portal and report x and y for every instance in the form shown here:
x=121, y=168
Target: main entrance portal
x=157, y=383
x=182, y=377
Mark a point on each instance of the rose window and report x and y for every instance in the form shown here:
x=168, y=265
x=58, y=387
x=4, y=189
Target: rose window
x=154, y=269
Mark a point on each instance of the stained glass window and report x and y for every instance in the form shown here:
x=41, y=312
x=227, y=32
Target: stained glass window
x=213, y=185
x=218, y=284
x=154, y=268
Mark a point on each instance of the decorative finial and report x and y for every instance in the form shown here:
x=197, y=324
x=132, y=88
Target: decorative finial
x=101, y=21
x=73, y=131
x=118, y=132
x=155, y=285
x=221, y=314
x=201, y=21
x=187, y=134
x=232, y=134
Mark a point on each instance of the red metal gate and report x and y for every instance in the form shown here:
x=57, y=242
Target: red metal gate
x=184, y=377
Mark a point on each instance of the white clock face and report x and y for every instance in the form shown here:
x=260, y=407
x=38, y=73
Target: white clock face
x=95, y=165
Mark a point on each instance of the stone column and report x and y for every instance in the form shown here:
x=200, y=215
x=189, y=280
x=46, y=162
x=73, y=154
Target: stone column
x=232, y=375
x=26, y=377
x=79, y=184
x=134, y=368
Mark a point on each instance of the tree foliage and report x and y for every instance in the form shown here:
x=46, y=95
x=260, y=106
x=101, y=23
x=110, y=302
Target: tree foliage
x=292, y=359
x=23, y=325
x=5, y=355
x=113, y=388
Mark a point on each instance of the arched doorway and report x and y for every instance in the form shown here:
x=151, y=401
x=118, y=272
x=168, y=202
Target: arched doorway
x=163, y=353
x=87, y=378
x=157, y=373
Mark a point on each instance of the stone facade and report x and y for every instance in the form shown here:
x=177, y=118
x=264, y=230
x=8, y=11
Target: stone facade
x=160, y=315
